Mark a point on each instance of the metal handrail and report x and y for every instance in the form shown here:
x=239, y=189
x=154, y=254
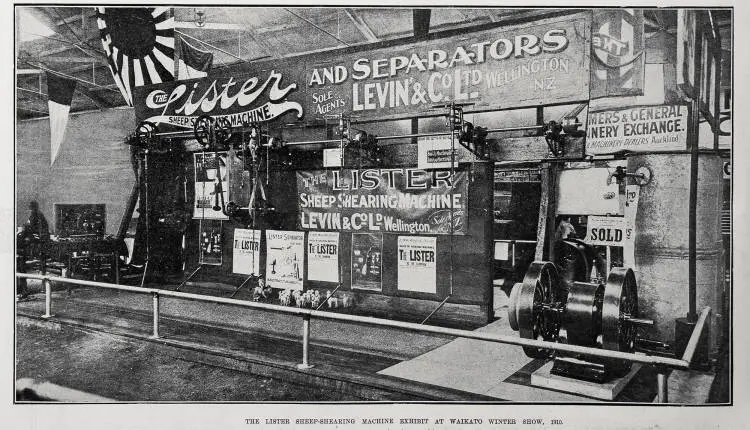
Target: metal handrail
x=662, y=363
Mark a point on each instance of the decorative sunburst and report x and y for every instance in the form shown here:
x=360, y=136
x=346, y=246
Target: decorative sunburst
x=139, y=43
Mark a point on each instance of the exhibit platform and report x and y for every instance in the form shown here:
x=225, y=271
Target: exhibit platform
x=371, y=363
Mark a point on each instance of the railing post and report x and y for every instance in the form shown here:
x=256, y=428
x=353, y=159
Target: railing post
x=305, y=343
x=662, y=395
x=47, y=298
x=155, y=297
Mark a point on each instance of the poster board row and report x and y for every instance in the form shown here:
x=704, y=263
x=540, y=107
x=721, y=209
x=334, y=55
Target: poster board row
x=286, y=253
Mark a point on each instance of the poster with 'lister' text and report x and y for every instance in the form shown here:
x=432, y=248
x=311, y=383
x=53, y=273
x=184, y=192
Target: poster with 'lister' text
x=417, y=269
x=323, y=256
x=246, y=251
x=285, y=258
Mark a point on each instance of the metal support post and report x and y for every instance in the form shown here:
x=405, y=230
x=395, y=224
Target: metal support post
x=305, y=343
x=155, y=297
x=47, y=298
x=116, y=265
x=661, y=387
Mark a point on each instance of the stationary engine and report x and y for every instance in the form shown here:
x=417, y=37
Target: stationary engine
x=592, y=314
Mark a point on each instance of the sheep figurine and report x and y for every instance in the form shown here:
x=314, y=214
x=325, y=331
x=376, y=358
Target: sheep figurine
x=261, y=291
x=315, y=299
x=297, y=295
x=285, y=297
x=258, y=293
x=347, y=301
x=306, y=298
x=331, y=300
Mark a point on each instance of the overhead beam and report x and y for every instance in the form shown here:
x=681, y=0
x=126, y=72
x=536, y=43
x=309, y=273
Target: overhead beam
x=361, y=25
x=421, y=23
x=101, y=104
x=209, y=26
x=31, y=110
x=43, y=15
x=71, y=59
x=316, y=26
x=78, y=17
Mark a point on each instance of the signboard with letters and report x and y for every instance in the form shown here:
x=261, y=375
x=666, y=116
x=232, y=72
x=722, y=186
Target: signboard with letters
x=637, y=129
x=398, y=200
x=526, y=65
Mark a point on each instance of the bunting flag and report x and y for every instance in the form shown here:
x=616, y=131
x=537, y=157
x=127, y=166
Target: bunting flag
x=192, y=63
x=139, y=43
x=617, y=53
x=60, y=92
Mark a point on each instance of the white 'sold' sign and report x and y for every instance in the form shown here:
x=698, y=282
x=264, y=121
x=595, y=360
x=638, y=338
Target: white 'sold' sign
x=637, y=129
x=604, y=230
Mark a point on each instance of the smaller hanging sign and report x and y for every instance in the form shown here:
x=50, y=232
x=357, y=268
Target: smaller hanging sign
x=323, y=256
x=434, y=152
x=417, y=264
x=332, y=157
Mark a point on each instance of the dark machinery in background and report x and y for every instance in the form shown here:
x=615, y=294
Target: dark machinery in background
x=593, y=314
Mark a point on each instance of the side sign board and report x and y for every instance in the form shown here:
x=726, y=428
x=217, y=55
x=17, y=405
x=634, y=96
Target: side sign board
x=637, y=129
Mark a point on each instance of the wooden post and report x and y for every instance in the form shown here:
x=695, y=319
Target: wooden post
x=545, y=230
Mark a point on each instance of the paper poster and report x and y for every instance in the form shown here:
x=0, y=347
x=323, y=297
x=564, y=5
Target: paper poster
x=632, y=195
x=246, y=251
x=285, y=258
x=210, y=168
x=323, y=256
x=607, y=230
x=417, y=270
x=367, y=257
x=211, y=242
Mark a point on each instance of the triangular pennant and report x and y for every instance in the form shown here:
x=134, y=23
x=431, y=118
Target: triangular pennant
x=60, y=92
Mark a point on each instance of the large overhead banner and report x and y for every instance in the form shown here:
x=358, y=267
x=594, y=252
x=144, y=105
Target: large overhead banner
x=399, y=200
x=525, y=65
